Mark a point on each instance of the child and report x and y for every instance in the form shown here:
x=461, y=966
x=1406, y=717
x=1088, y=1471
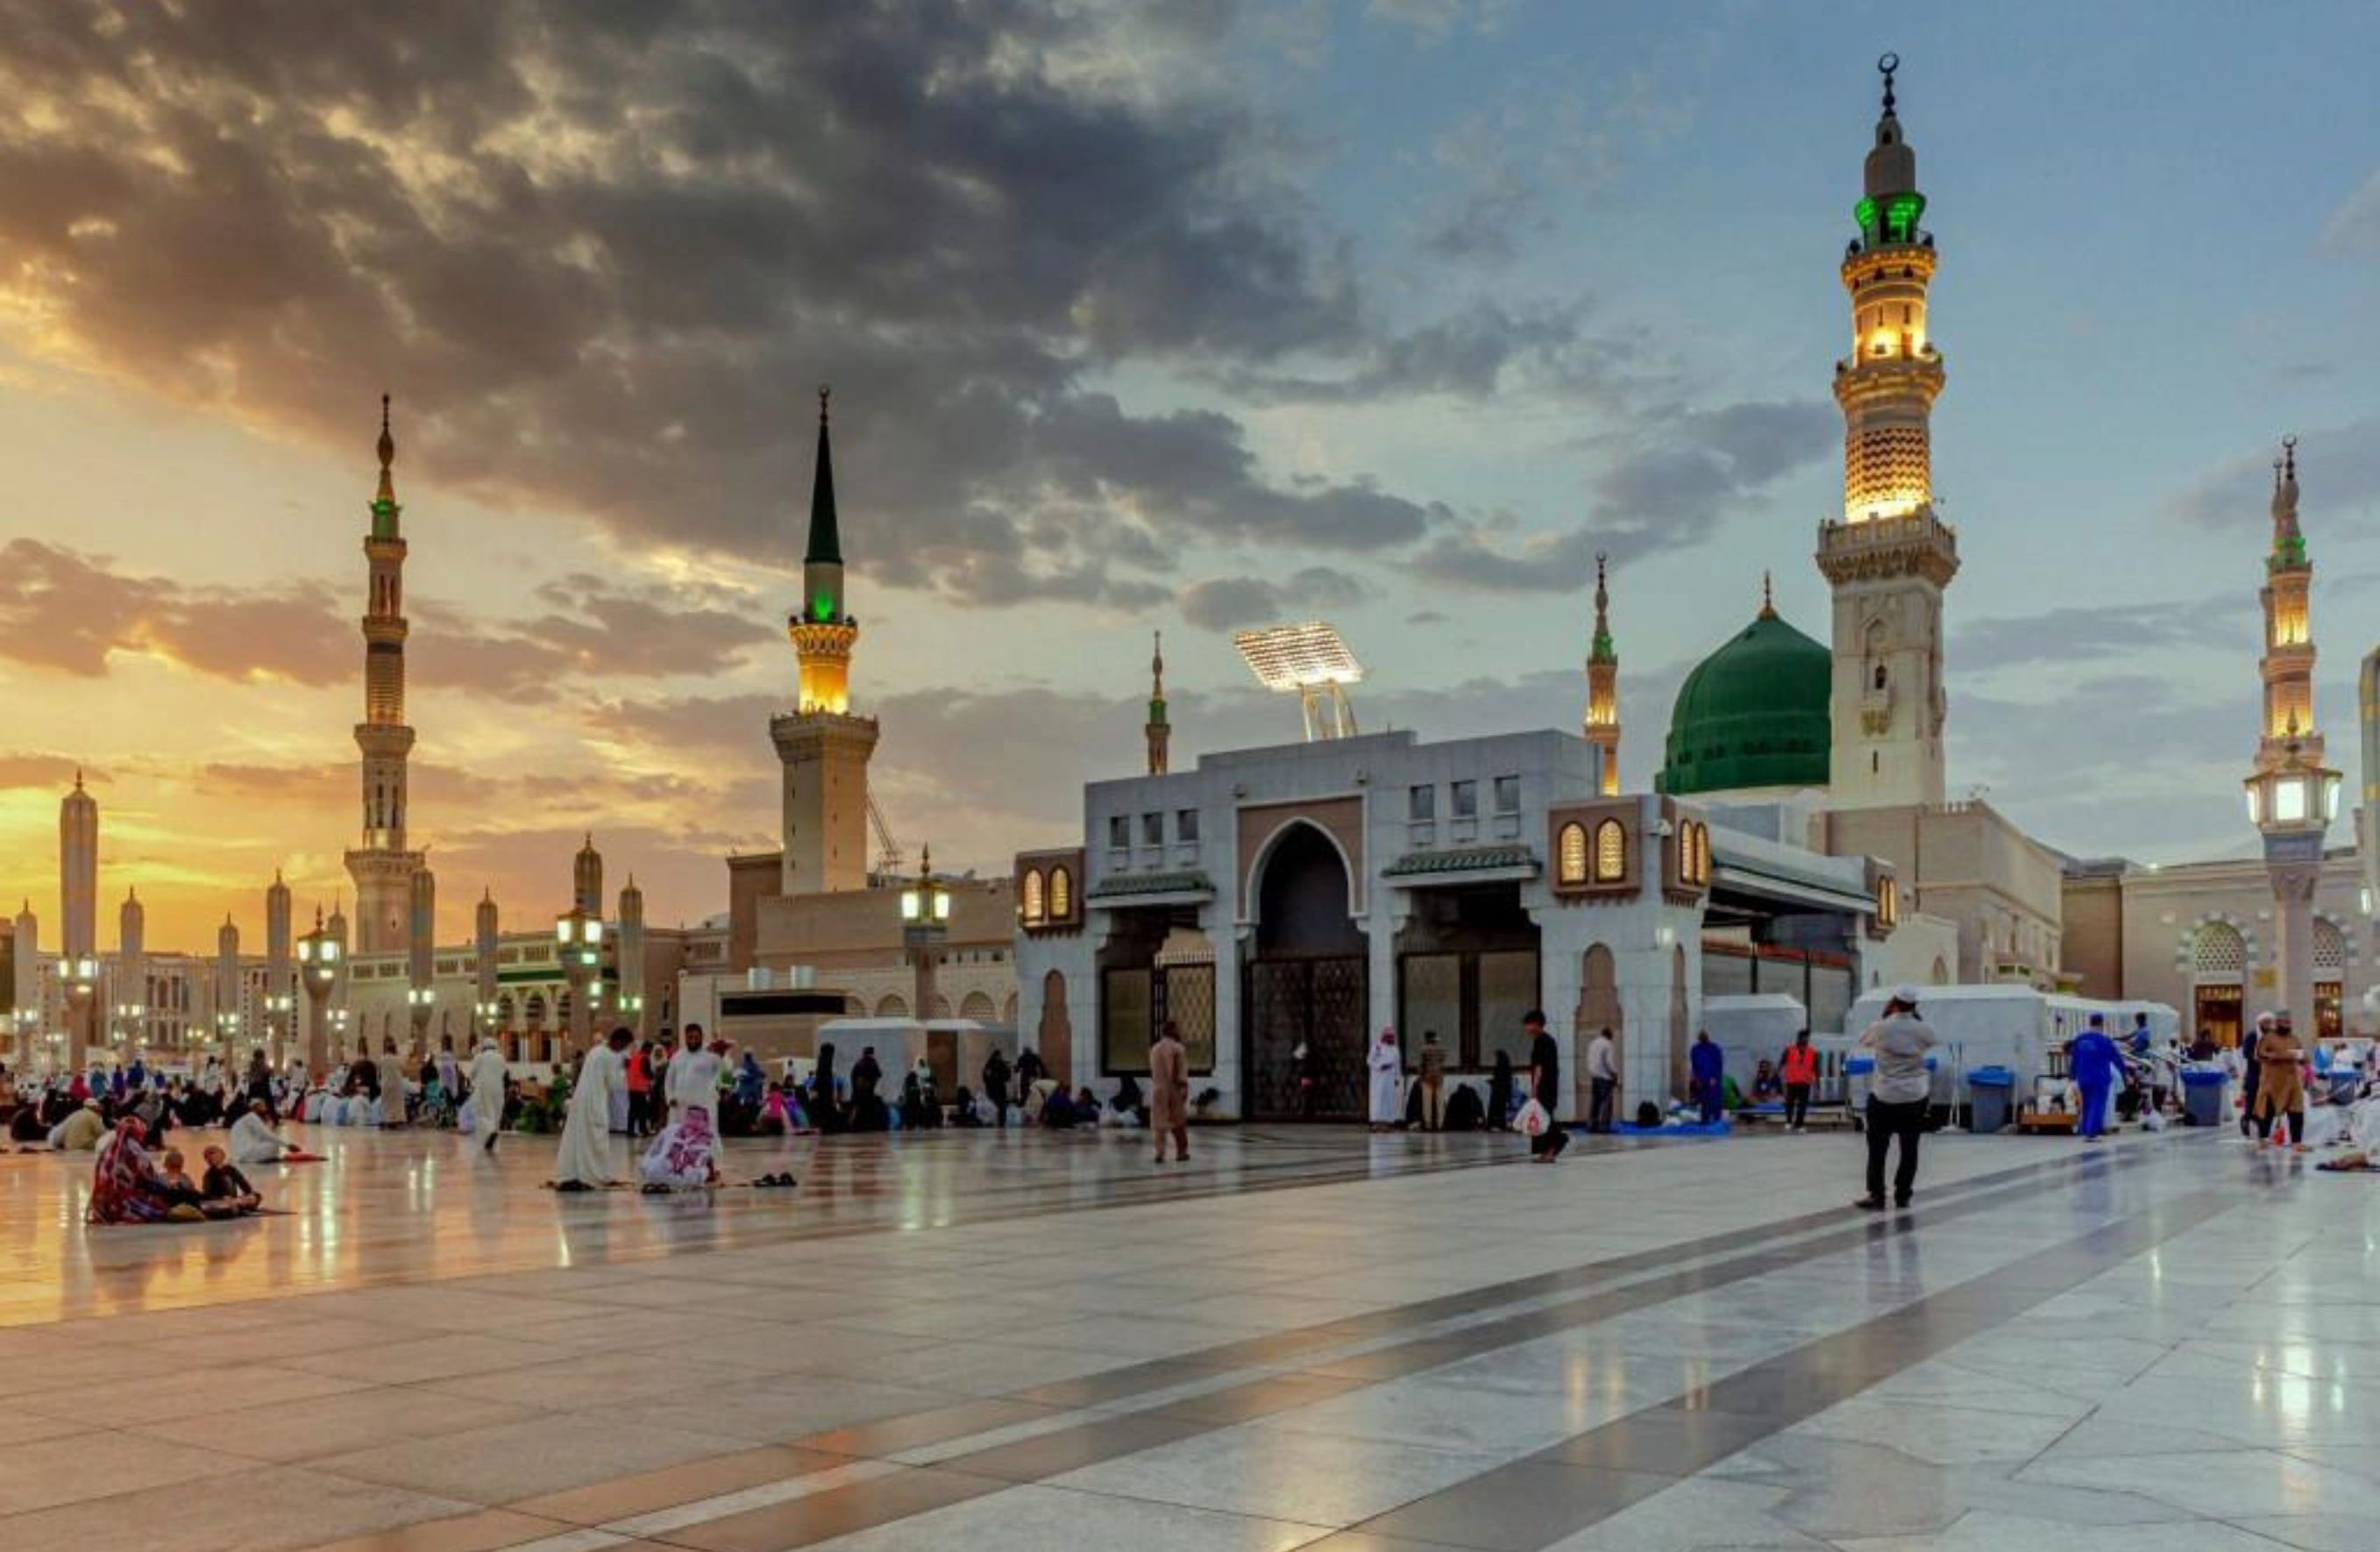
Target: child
x=184, y=1201
x=227, y=1191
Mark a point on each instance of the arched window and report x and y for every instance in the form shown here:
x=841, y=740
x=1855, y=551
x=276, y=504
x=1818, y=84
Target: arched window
x=894, y=1007
x=1033, y=917
x=1062, y=894
x=1888, y=901
x=1611, y=853
x=1696, y=865
x=1570, y=854
x=2329, y=950
x=2218, y=953
x=976, y=1005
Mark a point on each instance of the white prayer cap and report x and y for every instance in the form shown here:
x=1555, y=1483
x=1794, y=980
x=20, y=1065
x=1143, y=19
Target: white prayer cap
x=1905, y=996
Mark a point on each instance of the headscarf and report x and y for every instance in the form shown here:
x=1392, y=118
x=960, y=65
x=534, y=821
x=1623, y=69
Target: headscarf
x=121, y=1178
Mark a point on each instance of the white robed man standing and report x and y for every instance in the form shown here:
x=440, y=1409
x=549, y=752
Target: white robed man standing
x=486, y=1076
x=693, y=1076
x=584, y=1163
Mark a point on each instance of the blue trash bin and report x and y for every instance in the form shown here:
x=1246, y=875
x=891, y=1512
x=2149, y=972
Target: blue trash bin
x=2201, y=1096
x=1990, y=1091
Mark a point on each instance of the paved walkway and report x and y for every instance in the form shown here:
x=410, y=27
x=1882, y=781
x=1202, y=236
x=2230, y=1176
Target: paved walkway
x=1310, y=1339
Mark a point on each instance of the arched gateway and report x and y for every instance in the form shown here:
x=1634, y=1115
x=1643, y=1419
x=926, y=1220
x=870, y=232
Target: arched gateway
x=1307, y=984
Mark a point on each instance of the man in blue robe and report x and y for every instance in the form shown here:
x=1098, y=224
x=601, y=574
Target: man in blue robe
x=2098, y=1066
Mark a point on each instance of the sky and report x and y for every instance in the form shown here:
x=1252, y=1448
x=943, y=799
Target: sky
x=1176, y=317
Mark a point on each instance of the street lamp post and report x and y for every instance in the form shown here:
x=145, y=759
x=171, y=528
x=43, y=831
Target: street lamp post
x=318, y=971
x=578, y=938
x=80, y=976
x=924, y=922
x=2291, y=803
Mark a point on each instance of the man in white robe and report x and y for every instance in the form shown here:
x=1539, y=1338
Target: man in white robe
x=487, y=1079
x=694, y=1077
x=1387, y=1066
x=584, y=1163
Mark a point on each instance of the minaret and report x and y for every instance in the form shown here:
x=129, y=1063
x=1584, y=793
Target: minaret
x=280, y=971
x=2291, y=793
x=1160, y=731
x=1888, y=556
x=26, y=954
x=2367, y=820
x=631, y=949
x=382, y=866
x=587, y=879
x=130, y=979
x=227, y=980
x=79, y=872
x=421, y=940
x=824, y=748
x=2288, y=663
x=485, y=932
x=1603, y=688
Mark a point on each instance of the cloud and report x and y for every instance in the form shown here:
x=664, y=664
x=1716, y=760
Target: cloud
x=1542, y=348
x=45, y=773
x=600, y=254
x=1669, y=495
x=2353, y=229
x=1222, y=602
x=2338, y=474
x=2080, y=634
x=64, y=610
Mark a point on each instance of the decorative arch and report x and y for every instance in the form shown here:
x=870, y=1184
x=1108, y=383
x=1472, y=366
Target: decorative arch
x=1301, y=902
x=1941, y=973
x=894, y=1007
x=1262, y=861
x=1611, y=852
x=1008, y=1010
x=2218, y=953
x=1570, y=854
x=1061, y=894
x=938, y=1007
x=1034, y=915
x=2329, y=949
x=979, y=1007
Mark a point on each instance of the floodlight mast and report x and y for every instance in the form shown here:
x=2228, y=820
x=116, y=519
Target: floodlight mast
x=1311, y=660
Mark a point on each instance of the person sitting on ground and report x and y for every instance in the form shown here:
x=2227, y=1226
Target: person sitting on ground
x=962, y=1109
x=227, y=1190
x=81, y=1131
x=184, y=1200
x=1767, y=1087
x=1130, y=1098
x=125, y=1184
x=26, y=1126
x=253, y=1142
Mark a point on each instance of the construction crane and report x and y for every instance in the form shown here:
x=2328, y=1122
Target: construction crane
x=889, y=861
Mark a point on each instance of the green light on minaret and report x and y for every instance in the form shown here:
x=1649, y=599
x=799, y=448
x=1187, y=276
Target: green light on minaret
x=822, y=609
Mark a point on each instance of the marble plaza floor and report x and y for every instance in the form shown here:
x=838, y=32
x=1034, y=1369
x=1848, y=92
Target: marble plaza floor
x=1303, y=1339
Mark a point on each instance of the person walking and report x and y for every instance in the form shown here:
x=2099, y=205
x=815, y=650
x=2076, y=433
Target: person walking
x=1602, y=1080
x=1433, y=1082
x=1169, y=1093
x=1388, y=1069
x=2098, y=1068
x=1544, y=1085
x=1897, y=1096
x=1709, y=1071
x=2251, y=1076
x=2280, y=1092
x=486, y=1076
x=995, y=1085
x=1799, y=1068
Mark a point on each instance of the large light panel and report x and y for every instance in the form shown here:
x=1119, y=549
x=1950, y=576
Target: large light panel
x=1287, y=657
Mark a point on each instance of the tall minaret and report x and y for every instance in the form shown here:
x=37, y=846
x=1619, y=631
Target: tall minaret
x=631, y=949
x=824, y=748
x=2288, y=663
x=226, y=998
x=1160, y=731
x=130, y=979
x=280, y=972
x=1603, y=687
x=485, y=935
x=382, y=866
x=1888, y=556
x=2367, y=820
x=27, y=945
x=587, y=879
x=79, y=872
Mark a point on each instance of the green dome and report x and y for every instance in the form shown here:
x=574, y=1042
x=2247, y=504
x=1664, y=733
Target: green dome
x=1752, y=713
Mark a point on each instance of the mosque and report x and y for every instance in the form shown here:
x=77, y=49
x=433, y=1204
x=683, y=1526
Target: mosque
x=1280, y=904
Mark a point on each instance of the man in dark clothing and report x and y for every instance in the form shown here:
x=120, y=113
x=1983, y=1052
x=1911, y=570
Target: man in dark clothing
x=1544, y=1083
x=995, y=1086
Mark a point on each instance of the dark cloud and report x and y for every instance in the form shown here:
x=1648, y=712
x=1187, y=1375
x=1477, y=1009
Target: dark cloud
x=53, y=773
x=2338, y=474
x=1544, y=349
x=600, y=252
x=64, y=610
x=1669, y=493
x=2076, y=635
x=1223, y=602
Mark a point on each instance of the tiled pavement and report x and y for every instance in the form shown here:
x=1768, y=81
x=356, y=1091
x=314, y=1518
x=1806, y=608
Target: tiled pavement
x=1303, y=1339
